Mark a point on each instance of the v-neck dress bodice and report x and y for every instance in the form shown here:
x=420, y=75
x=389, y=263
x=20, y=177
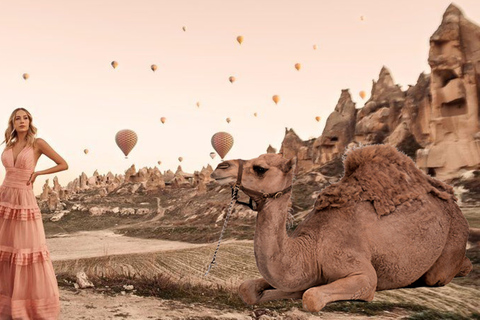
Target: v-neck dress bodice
x=18, y=171
x=28, y=286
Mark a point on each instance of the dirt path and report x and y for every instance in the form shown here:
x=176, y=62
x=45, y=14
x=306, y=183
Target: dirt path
x=89, y=244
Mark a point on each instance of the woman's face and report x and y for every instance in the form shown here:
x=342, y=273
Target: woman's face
x=21, y=122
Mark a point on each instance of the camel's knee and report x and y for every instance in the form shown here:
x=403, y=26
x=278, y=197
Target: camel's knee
x=465, y=268
x=251, y=291
x=437, y=278
x=313, y=300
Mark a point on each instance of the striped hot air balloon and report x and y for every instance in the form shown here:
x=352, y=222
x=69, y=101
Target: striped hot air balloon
x=126, y=139
x=222, y=142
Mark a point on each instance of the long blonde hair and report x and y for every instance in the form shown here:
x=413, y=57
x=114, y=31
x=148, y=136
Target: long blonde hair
x=11, y=136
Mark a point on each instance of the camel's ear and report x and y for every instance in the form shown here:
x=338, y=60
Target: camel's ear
x=288, y=166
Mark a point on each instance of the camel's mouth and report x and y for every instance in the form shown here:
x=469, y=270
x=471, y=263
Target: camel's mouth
x=224, y=180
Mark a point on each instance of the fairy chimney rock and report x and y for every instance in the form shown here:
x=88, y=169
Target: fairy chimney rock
x=454, y=58
x=83, y=181
x=130, y=172
x=382, y=112
x=110, y=177
x=338, y=132
x=46, y=191
x=417, y=110
x=291, y=144
x=271, y=149
x=53, y=201
x=56, y=186
x=155, y=180
x=179, y=170
x=205, y=173
x=168, y=176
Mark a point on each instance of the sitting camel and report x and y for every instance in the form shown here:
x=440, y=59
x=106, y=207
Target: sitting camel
x=384, y=225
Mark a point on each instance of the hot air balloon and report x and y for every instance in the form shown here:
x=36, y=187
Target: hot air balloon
x=228, y=120
x=126, y=139
x=276, y=99
x=362, y=18
x=231, y=79
x=222, y=142
x=85, y=151
x=114, y=64
x=212, y=155
x=362, y=94
x=153, y=67
x=163, y=119
x=25, y=76
x=255, y=114
x=180, y=159
x=159, y=162
x=184, y=28
x=314, y=47
x=298, y=66
x=240, y=39
x=318, y=118
x=198, y=104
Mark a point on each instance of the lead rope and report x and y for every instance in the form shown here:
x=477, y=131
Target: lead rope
x=232, y=202
x=290, y=217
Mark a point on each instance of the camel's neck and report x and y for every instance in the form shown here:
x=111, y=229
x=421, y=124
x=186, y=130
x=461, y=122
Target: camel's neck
x=271, y=240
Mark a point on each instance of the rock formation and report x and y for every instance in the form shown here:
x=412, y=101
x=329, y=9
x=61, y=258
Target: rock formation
x=455, y=88
x=338, y=132
x=293, y=146
x=271, y=149
x=435, y=122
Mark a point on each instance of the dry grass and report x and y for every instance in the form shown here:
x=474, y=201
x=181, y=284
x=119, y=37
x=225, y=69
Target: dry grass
x=179, y=275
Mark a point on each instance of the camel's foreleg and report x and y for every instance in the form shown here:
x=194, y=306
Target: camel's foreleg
x=358, y=286
x=259, y=290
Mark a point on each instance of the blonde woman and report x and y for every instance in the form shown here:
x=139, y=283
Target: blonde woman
x=28, y=286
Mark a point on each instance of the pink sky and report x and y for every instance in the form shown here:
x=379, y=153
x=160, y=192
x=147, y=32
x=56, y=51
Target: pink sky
x=79, y=101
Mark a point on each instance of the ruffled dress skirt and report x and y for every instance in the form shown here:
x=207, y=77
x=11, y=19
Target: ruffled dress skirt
x=28, y=286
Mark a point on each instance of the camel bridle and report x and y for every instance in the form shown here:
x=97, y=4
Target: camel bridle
x=257, y=194
x=261, y=197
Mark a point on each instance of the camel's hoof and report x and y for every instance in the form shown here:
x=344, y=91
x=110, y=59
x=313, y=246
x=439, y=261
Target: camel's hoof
x=248, y=292
x=312, y=302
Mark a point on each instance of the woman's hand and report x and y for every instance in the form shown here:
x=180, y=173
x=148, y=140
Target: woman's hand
x=32, y=178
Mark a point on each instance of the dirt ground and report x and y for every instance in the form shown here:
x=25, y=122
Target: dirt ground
x=80, y=250
x=89, y=244
x=88, y=306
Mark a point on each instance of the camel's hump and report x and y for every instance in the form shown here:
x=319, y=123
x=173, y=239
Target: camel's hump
x=383, y=175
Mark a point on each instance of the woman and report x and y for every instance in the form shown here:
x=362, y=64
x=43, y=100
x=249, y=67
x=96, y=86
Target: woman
x=28, y=286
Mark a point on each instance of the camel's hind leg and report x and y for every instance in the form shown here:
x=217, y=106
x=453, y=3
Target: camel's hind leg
x=358, y=286
x=452, y=262
x=259, y=290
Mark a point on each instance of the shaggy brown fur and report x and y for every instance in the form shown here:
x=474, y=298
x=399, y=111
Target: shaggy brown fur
x=385, y=177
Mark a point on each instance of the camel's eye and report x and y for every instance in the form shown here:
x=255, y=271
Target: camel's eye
x=259, y=170
x=223, y=165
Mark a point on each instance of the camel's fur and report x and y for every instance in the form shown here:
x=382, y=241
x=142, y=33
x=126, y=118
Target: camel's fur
x=384, y=225
x=385, y=177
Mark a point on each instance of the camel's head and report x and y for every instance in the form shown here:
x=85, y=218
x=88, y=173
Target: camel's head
x=226, y=172
x=268, y=173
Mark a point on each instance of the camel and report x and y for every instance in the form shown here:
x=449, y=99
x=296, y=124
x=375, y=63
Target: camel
x=384, y=225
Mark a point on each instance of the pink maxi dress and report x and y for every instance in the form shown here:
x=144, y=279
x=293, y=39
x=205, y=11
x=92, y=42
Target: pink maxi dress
x=28, y=286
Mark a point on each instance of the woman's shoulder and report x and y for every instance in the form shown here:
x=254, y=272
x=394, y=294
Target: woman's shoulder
x=39, y=144
x=39, y=141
